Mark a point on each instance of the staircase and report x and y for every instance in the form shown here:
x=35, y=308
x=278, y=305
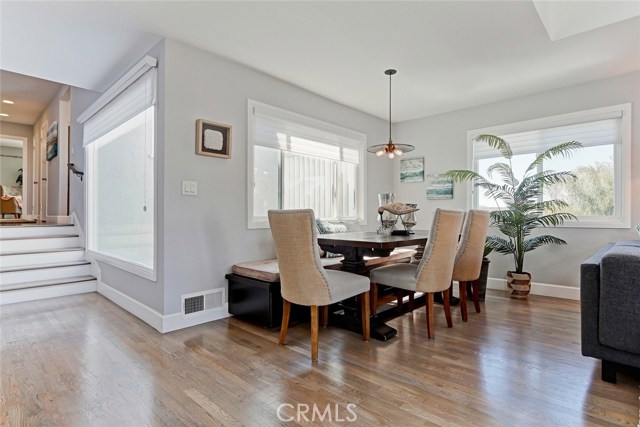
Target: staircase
x=42, y=261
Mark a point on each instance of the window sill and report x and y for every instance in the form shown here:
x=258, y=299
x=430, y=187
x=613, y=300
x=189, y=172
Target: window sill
x=131, y=267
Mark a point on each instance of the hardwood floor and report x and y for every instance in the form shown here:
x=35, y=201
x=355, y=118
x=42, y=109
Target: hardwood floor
x=82, y=361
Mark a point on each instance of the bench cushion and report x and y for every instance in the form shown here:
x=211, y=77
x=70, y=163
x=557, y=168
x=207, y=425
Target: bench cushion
x=267, y=270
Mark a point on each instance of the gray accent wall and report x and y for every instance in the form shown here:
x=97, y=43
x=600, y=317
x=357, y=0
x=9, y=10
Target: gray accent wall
x=200, y=237
x=147, y=292
x=206, y=234
x=442, y=141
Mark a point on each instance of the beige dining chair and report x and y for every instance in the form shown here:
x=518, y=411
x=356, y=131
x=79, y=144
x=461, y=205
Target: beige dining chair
x=469, y=257
x=303, y=280
x=434, y=272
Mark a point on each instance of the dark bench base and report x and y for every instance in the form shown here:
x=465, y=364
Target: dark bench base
x=260, y=302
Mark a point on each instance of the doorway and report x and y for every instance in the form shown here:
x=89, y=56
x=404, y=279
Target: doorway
x=13, y=167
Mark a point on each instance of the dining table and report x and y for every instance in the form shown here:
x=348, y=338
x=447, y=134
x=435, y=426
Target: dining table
x=355, y=246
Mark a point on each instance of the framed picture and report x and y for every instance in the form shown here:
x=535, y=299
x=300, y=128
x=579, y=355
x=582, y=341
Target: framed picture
x=439, y=187
x=52, y=141
x=213, y=139
x=412, y=170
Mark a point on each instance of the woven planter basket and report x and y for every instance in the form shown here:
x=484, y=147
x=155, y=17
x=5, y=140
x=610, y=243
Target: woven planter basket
x=519, y=284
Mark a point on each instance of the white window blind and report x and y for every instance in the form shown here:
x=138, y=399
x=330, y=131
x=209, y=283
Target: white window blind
x=131, y=101
x=600, y=196
x=299, y=162
x=287, y=131
x=119, y=141
x=589, y=134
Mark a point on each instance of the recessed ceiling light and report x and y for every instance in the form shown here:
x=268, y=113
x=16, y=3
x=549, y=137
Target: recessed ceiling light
x=8, y=101
x=4, y=115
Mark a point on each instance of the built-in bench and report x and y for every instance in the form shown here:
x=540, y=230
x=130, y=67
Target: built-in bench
x=254, y=287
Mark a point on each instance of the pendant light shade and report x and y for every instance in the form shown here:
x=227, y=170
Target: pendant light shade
x=390, y=149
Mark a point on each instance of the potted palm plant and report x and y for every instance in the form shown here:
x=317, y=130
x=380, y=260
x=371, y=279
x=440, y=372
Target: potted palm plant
x=521, y=208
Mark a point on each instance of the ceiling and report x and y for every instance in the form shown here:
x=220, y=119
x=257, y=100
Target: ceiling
x=30, y=96
x=449, y=55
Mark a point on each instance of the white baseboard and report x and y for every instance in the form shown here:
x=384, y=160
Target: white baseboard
x=153, y=318
x=544, y=289
x=175, y=321
x=62, y=290
x=135, y=307
x=76, y=224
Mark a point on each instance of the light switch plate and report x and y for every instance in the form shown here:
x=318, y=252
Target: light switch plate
x=189, y=188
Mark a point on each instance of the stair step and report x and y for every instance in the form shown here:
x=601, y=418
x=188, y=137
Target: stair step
x=17, y=231
x=47, y=256
x=43, y=283
x=14, y=275
x=38, y=243
x=43, y=251
x=42, y=266
x=53, y=236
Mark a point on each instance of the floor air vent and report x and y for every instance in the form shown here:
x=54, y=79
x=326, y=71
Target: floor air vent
x=202, y=301
x=194, y=304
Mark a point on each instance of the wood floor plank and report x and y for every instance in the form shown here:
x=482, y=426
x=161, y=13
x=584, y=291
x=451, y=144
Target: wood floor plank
x=82, y=361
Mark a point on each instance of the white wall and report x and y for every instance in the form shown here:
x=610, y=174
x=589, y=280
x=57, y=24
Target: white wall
x=205, y=235
x=442, y=140
x=57, y=111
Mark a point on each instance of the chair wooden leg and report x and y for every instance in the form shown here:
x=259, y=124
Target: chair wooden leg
x=463, y=300
x=476, y=295
x=447, y=308
x=324, y=316
x=373, y=299
x=314, y=333
x=430, y=319
x=399, y=297
x=286, y=310
x=365, y=313
x=411, y=301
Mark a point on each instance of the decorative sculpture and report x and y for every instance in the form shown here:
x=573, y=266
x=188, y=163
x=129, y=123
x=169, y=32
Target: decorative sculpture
x=404, y=211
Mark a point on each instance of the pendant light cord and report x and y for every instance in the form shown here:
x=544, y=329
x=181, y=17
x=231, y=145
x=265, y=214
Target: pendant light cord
x=390, y=108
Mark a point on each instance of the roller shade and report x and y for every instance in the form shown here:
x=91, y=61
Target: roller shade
x=598, y=132
x=131, y=100
x=288, y=132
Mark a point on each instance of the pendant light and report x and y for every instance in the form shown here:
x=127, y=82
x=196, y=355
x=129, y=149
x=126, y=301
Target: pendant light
x=390, y=149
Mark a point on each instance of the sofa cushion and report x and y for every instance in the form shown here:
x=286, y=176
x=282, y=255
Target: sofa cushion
x=620, y=298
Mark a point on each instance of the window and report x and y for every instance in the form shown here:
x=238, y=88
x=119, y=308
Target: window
x=119, y=146
x=600, y=197
x=296, y=162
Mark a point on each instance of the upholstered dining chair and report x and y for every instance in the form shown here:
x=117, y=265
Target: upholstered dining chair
x=469, y=257
x=303, y=280
x=434, y=272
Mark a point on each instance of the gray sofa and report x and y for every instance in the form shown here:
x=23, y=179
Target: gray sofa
x=610, y=305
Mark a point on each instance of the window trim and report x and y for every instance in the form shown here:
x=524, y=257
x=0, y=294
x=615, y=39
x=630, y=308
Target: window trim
x=622, y=158
x=129, y=266
x=145, y=65
x=359, y=137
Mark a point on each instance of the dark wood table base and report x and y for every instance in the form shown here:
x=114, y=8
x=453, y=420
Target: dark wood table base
x=346, y=315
